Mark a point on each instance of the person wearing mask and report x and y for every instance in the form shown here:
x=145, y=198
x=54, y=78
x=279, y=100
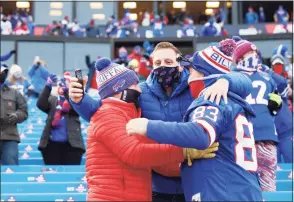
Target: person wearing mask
x=266, y=103
x=230, y=175
x=7, y=56
x=13, y=110
x=6, y=27
x=283, y=121
x=122, y=57
x=251, y=16
x=281, y=16
x=61, y=142
x=136, y=54
x=16, y=80
x=281, y=61
x=210, y=28
x=38, y=74
x=165, y=96
x=109, y=145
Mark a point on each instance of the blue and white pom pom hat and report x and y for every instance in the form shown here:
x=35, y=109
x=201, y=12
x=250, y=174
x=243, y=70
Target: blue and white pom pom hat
x=214, y=59
x=113, y=78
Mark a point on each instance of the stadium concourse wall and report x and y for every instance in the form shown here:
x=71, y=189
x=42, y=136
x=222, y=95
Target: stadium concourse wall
x=68, y=53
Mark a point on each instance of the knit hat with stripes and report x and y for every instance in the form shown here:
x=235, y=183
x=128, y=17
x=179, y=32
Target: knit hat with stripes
x=214, y=59
x=113, y=78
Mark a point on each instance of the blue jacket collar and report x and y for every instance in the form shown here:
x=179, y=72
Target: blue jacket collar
x=155, y=87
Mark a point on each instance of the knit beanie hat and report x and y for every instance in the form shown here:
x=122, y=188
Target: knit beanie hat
x=113, y=78
x=243, y=47
x=214, y=59
x=14, y=68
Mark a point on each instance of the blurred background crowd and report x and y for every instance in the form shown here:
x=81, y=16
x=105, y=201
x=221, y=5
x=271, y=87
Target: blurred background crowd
x=212, y=19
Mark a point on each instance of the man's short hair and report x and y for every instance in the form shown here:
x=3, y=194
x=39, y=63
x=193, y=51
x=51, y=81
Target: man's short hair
x=165, y=45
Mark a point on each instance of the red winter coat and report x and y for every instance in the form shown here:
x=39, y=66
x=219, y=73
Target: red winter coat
x=118, y=166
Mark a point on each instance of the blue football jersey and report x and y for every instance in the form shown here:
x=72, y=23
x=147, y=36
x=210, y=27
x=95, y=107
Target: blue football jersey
x=231, y=175
x=264, y=122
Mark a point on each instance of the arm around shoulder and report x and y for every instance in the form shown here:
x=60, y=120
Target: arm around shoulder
x=110, y=127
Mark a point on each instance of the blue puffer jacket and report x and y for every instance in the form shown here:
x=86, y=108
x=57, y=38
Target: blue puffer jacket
x=38, y=75
x=156, y=105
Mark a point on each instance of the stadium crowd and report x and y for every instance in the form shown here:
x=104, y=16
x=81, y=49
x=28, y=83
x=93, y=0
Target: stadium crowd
x=21, y=22
x=194, y=106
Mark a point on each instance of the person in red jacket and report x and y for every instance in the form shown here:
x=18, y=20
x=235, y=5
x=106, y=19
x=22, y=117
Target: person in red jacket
x=136, y=54
x=118, y=166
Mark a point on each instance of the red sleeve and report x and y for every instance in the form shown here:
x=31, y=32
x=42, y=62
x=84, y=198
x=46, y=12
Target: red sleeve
x=111, y=129
x=170, y=170
x=143, y=70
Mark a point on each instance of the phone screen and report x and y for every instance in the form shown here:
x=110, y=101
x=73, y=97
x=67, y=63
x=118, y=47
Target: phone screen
x=79, y=76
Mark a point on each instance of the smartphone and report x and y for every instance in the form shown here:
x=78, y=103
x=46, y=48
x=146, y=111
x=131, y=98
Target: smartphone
x=79, y=76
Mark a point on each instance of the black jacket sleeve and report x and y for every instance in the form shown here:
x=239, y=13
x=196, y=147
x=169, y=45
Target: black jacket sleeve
x=43, y=102
x=88, y=61
x=21, y=108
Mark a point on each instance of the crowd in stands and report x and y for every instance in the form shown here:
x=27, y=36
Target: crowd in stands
x=19, y=22
x=281, y=16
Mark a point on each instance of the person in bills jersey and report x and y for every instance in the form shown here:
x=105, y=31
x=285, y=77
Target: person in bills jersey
x=231, y=175
x=283, y=120
x=266, y=104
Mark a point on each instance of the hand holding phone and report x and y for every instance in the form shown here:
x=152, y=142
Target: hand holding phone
x=79, y=76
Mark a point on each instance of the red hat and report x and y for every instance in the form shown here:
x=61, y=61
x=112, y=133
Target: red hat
x=243, y=47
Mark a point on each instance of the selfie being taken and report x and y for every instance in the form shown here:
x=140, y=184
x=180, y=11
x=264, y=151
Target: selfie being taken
x=163, y=101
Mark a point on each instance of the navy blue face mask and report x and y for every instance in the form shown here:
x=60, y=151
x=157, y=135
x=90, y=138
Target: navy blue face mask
x=167, y=76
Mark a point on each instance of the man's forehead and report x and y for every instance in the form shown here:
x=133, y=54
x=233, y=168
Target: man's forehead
x=166, y=53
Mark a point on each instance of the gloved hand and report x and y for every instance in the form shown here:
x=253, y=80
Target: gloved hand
x=191, y=154
x=274, y=103
x=12, y=118
x=52, y=78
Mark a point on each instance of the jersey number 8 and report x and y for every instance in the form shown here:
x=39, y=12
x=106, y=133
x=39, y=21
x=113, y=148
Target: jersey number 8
x=245, y=142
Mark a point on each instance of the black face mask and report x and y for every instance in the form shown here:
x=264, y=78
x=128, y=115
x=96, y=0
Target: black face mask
x=167, y=76
x=131, y=96
x=3, y=77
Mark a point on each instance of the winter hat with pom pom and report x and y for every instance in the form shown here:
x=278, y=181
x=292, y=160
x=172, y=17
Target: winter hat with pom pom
x=243, y=47
x=214, y=59
x=113, y=78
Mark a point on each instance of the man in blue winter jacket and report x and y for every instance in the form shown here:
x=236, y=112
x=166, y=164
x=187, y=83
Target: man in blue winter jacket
x=165, y=96
x=231, y=175
x=38, y=74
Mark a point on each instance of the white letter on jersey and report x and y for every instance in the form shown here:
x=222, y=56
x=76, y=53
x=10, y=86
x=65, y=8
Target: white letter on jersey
x=196, y=197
